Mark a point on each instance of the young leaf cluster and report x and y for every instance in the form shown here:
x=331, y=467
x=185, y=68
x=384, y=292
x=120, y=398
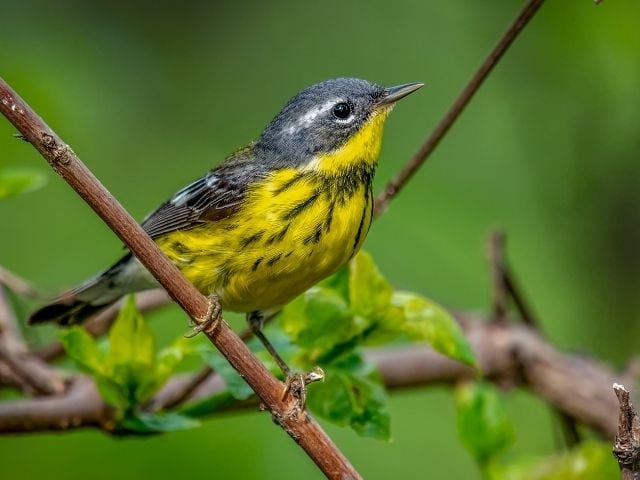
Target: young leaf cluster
x=128, y=370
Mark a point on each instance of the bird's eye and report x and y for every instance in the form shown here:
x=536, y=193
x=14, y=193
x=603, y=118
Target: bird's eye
x=342, y=110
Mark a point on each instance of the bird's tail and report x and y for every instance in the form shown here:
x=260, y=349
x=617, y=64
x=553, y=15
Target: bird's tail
x=91, y=297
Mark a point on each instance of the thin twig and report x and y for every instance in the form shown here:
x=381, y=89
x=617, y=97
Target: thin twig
x=19, y=285
x=627, y=443
x=285, y=412
x=504, y=289
x=497, y=268
x=443, y=126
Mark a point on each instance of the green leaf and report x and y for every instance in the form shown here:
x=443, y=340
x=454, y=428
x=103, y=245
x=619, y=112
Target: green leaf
x=114, y=393
x=483, y=425
x=319, y=318
x=130, y=338
x=145, y=422
x=16, y=181
x=339, y=282
x=166, y=362
x=369, y=292
x=235, y=384
x=82, y=349
x=427, y=321
x=131, y=361
x=352, y=394
x=128, y=373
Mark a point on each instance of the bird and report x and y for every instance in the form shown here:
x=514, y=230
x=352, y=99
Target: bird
x=270, y=221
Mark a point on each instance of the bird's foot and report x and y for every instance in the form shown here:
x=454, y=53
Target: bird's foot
x=210, y=321
x=296, y=385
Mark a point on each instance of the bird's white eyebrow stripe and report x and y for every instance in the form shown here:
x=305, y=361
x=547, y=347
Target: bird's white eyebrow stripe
x=308, y=118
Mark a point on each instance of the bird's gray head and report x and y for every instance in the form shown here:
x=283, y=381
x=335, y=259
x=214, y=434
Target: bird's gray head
x=321, y=118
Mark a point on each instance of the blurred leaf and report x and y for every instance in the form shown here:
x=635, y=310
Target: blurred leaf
x=130, y=338
x=588, y=461
x=131, y=358
x=339, y=282
x=483, y=425
x=352, y=394
x=320, y=317
x=158, y=422
x=16, y=181
x=369, y=292
x=234, y=382
x=389, y=325
x=113, y=393
x=427, y=321
x=82, y=349
x=166, y=362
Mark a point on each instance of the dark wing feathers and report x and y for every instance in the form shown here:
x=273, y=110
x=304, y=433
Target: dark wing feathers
x=210, y=198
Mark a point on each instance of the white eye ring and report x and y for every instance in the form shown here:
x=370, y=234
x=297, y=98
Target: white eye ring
x=343, y=112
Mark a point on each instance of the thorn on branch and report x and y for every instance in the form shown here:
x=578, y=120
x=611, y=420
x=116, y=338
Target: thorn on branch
x=627, y=443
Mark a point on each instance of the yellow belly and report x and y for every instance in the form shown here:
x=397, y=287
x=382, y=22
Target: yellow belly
x=292, y=231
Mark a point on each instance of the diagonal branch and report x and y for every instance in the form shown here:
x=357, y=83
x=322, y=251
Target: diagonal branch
x=285, y=412
x=443, y=126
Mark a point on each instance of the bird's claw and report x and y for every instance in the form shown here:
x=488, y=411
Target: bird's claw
x=210, y=321
x=296, y=384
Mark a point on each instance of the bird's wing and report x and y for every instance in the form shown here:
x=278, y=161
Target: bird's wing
x=210, y=198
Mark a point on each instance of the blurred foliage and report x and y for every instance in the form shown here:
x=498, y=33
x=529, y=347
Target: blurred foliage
x=483, y=423
x=16, y=181
x=152, y=97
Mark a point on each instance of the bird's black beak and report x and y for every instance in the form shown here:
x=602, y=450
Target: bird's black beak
x=392, y=94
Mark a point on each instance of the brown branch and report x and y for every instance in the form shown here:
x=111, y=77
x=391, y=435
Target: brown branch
x=443, y=126
x=286, y=412
x=627, y=443
x=508, y=354
x=22, y=369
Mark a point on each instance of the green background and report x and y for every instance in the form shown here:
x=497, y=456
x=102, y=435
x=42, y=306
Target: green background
x=152, y=95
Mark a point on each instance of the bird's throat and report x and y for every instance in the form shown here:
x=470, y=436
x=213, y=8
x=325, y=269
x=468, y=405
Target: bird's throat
x=360, y=151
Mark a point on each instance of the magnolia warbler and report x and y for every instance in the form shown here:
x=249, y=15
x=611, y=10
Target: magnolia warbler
x=274, y=218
